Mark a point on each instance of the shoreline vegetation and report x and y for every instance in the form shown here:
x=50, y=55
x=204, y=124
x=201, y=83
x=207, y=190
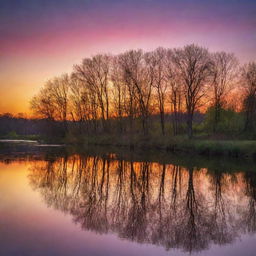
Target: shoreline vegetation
x=184, y=99
x=223, y=163
x=244, y=149
x=203, y=147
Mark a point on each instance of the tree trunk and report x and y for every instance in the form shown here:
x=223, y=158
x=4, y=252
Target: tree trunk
x=190, y=125
x=162, y=122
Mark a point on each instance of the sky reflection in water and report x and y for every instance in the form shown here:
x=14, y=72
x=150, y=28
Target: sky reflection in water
x=92, y=205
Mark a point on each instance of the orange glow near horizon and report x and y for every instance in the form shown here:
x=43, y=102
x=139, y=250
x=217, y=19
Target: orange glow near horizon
x=40, y=41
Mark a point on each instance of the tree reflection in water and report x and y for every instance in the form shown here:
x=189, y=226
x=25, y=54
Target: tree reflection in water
x=162, y=204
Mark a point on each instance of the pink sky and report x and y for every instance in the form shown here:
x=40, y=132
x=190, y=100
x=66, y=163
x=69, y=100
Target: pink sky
x=42, y=39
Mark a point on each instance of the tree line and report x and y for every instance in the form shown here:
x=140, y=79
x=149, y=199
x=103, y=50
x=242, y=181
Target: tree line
x=122, y=92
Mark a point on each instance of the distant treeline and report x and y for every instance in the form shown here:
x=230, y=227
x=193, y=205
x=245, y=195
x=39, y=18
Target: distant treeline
x=12, y=127
x=124, y=93
x=15, y=127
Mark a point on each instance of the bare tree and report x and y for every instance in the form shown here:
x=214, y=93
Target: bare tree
x=76, y=98
x=42, y=104
x=80, y=103
x=94, y=73
x=248, y=78
x=132, y=86
x=224, y=71
x=119, y=92
x=139, y=79
x=59, y=88
x=157, y=61
x=175, y=90
x=130, y=106
x=52, y=100
x=193, y=65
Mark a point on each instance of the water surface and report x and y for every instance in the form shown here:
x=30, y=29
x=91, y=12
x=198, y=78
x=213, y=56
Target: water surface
x=107, y=204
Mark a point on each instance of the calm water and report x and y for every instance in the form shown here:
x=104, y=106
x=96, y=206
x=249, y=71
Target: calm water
x=71, y=204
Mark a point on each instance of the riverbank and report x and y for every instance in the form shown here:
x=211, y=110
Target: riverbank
x=207, y=147
x=179, y=144
x=25, y=152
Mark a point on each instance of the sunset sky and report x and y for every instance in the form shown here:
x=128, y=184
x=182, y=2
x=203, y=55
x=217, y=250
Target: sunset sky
x=43, y=38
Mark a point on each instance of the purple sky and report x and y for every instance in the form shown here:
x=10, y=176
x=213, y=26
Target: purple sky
x=41, y=39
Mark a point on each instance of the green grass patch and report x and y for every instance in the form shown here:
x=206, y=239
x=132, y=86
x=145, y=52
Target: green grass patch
x=230, y=148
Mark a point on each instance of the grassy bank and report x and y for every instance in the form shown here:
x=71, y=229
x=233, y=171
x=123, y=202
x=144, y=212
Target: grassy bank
x=197, y=146
x=39, y=138
x=208, y=147
x=14, y=136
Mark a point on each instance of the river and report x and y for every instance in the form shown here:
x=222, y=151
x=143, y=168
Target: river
x=60, y=202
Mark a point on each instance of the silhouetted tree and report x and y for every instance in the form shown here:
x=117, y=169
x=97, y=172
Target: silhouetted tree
x=193, y=65
x=94, y=72
x=248, y=78
x=139, y=78
x=224, y=71
x=157, y=61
